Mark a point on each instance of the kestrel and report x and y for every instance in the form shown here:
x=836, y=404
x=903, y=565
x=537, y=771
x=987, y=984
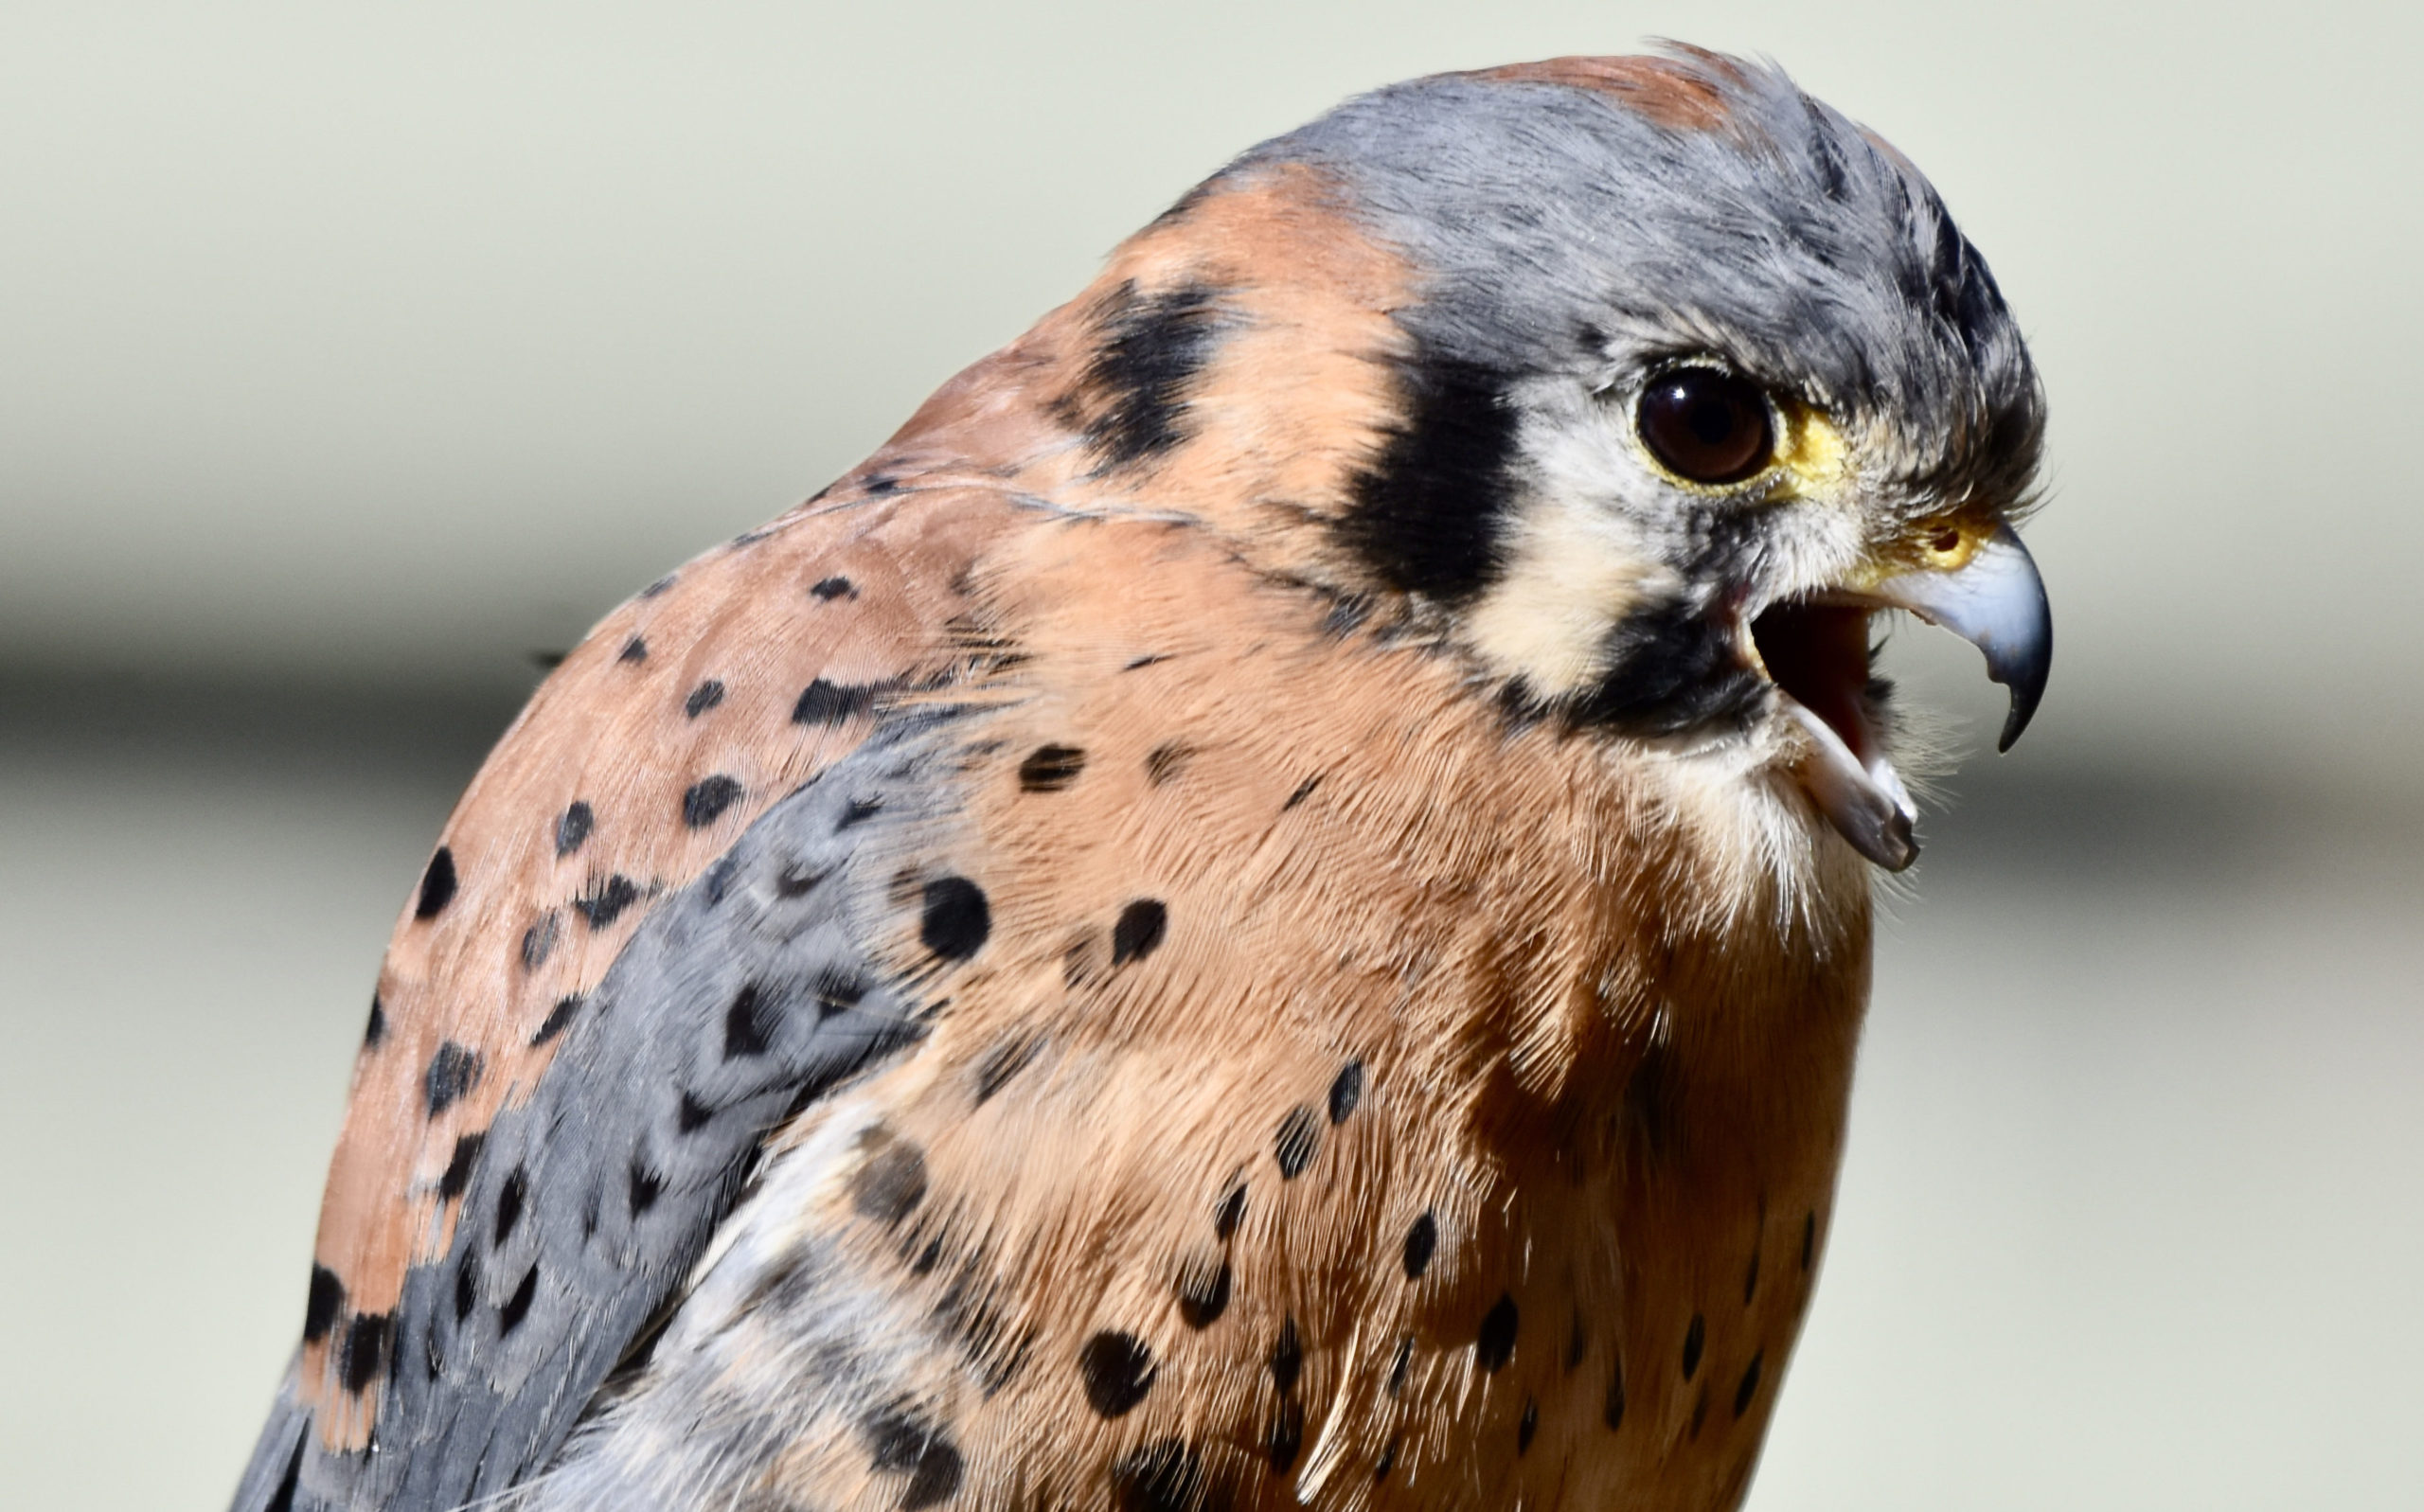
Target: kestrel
x=1269, y=905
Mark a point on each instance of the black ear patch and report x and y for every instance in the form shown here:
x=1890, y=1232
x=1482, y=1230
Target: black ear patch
x=1426, y=516
x=1131, y=404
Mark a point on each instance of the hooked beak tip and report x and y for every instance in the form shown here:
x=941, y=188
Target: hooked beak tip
x=1996, y=601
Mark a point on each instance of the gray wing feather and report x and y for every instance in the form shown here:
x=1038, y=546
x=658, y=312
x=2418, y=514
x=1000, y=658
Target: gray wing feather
x=744, y=996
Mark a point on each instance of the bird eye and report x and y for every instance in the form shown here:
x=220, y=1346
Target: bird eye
x=1706, y=425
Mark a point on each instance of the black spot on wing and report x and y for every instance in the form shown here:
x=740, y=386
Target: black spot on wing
x=456, y=1178
x=829, y=588
x=376, y=1029
x=539, y=941
x=437, y=885
x=634, y=649
x=605, y=901
x=1286, y=1357
x=748, y=1024
x=452, y=1071
x=828, y=702
x=702, y=697
x=1426, y=515
x=559, y=1017
x=706, y=800
x=322, y=1303
x=1131, y=401
x=364, y=1353
x=1695, y=1340
x=517, y=1307
x=1749, y=1386
x=1231, y=1212
x=573, y=828
x=1164, y=1476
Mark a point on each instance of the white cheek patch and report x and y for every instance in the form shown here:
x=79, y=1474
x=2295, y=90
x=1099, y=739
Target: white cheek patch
x=1572, y=573
x=1573, y=559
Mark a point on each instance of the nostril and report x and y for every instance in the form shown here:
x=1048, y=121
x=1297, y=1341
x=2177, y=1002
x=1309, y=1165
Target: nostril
x=1945, y=542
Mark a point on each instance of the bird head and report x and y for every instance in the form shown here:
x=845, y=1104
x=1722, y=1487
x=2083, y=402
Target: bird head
x=1643, y=384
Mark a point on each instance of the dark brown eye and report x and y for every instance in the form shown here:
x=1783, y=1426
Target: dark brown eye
x=1708, y=426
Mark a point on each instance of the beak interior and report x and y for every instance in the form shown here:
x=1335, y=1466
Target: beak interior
x=1818, y=654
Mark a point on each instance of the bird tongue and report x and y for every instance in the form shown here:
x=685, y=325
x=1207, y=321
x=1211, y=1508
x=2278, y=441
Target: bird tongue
x=1817, y=654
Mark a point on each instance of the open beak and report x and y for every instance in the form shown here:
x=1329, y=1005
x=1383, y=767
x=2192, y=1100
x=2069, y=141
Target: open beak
x=1816, y=651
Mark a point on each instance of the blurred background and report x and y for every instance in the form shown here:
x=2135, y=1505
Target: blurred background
x=350, y=355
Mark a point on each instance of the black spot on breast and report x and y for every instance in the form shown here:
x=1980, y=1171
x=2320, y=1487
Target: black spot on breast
x=1426, y=516
x=573, y=827
x=1304, y=790
x=559, y=1019
x=829, y=588
x=749, y=1024
x=1286, y=1357
x=605, y=901
x=510, y=1198
x=1496, y=1345
x=890, y=1182
x=707, y=799
x=1231, y=1212
x=1527, y=1426
x=644, y=1187
x=1614, y=1409
x=956, y=919
x=1695, y=1338
x=897, y=1442
x=1398, y=1365
x=376, y=1029
x=1131, y=401
x=452, y=1071
x=1298, y=1142
x=1118, y=1370
x=1149, y=659
x=1002, y=1062
x=1140, y=928
x=1203, y=1293
x=1388, y=1462
x=321, y=1304
x=517, y=1307
x=363, y=1354
x=1809, y=1241
x=1346, y=1092
x=828, y=702
x=436, y=885
x=1287, y=1436
x=1051, y=767
x=702, y=697
x=1164, y=763
x=456, y=1178
x=1163, y=1476
x=634, y=649
x=1670, y=668
x=539, y=941
x=1421, y=1242
x=1750, y=1384
x=467, y=1284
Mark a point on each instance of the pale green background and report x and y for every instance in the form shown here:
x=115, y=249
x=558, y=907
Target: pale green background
x=349, y=353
